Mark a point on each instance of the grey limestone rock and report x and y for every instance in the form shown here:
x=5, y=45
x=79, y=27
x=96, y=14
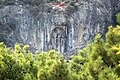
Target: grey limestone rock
x=45, y=28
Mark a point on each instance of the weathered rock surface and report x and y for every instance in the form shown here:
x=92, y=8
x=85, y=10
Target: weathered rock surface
x=43, y=28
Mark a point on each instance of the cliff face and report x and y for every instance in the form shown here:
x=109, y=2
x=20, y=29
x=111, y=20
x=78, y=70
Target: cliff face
x=63, y=29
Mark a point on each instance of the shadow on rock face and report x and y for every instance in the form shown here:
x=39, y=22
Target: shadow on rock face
x=57, y=40
x=7, y=26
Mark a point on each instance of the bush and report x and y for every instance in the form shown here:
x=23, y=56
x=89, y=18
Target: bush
x=100, y=60
x=118, y=17
x=21, y=64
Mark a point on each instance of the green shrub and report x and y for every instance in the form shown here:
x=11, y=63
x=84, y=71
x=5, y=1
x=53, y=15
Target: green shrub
x=118, y=18
x=100, y=60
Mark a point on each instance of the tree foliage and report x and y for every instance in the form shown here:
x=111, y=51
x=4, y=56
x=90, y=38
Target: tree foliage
x=21, y=64
x=118, y=17
x=100, y=60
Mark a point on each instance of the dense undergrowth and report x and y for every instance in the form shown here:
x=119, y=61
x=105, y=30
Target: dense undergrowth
x=100, y=60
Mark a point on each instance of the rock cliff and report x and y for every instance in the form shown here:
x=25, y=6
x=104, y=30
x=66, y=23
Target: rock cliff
x=64, y=29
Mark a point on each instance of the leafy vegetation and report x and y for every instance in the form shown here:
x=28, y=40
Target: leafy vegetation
x=118, y=17
x=100, y=60
x=21, y=64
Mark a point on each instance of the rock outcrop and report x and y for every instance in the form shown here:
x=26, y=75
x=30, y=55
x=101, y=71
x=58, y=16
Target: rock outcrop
x=44, y=28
